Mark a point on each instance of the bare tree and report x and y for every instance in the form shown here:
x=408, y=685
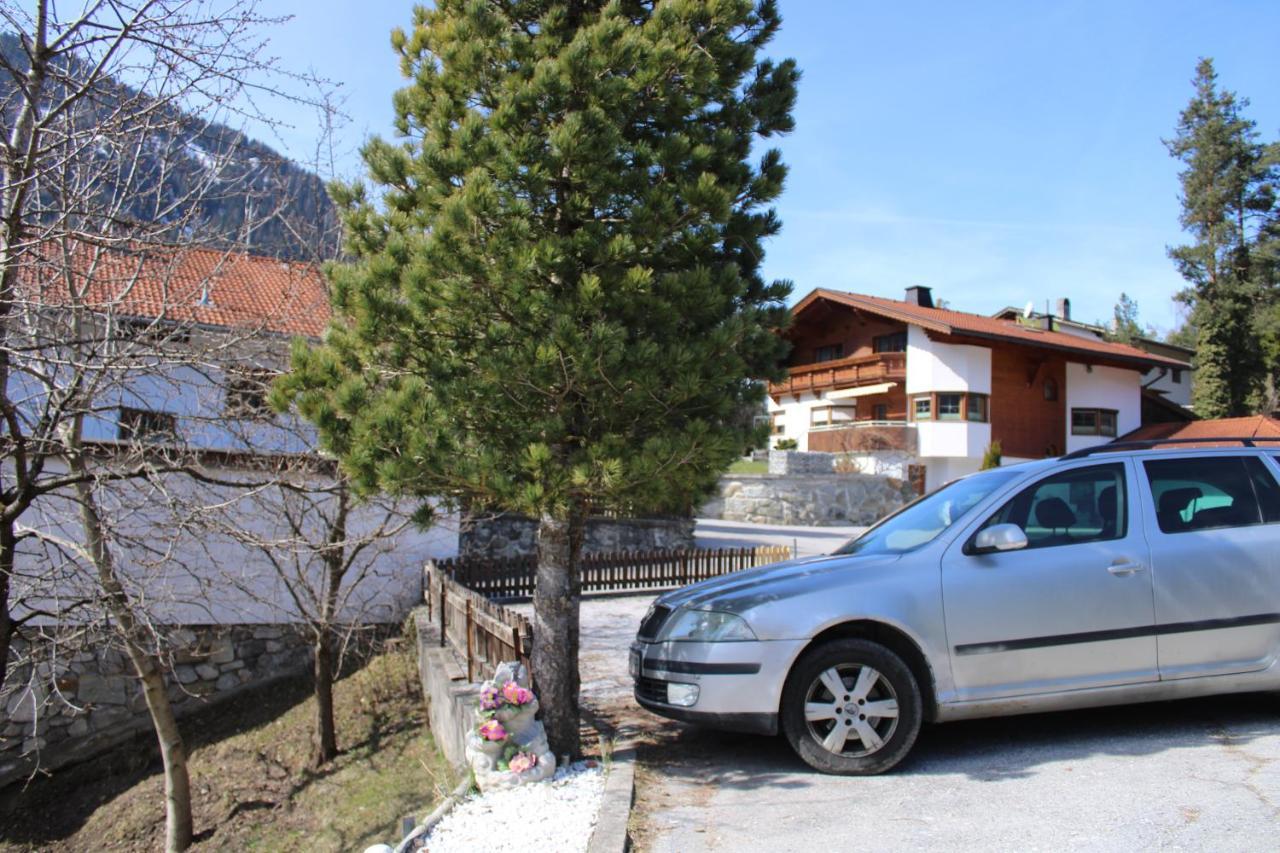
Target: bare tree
x=327, y=554
x=123, y=199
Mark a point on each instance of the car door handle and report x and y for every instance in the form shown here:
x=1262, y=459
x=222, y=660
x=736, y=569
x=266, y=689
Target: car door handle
x=1125, y=568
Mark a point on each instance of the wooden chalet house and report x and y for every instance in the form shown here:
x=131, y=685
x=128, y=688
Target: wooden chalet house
x=917, y=391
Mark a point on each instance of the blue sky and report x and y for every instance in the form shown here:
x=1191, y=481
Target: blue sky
x=997, y=152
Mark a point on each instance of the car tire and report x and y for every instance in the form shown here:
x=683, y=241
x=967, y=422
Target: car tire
x=827, y=707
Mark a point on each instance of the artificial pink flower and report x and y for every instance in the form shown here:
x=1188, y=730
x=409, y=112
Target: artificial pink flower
x=493, y=730
x=515, y=694
x=522, y=762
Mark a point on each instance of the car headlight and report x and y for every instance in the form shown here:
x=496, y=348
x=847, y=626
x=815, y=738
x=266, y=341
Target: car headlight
x=707, y=626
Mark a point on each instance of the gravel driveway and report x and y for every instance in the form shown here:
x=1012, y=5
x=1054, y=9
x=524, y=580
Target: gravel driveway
x=1192, y=775
x=1196, y=774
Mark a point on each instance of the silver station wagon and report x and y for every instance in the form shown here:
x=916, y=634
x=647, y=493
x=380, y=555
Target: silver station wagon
x=1124, y=573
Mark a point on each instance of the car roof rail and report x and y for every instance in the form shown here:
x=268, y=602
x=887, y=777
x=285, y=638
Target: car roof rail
x=1152, y=443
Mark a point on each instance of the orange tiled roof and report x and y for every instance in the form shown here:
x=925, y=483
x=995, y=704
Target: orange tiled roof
x=947, y=322
x=1260, y=426
x=185, y=285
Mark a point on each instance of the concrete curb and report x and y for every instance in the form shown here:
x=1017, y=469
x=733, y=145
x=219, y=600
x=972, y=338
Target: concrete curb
x=456, y=796
x=610, y=835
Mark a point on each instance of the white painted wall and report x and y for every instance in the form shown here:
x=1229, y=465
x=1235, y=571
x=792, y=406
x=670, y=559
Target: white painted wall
x=1159, y=379
x=933, y=366
x=1103, y=388
x=797, y=416
x=952, y=438
x=203, y=575
x=939, y=471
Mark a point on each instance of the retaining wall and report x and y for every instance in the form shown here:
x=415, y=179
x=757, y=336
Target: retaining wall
x=817, y=500
x=506, y=535
x=451, y=699
x=78, y=696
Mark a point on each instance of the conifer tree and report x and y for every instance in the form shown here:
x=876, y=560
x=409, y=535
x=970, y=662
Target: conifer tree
x=555, y=302
x=1228, y=199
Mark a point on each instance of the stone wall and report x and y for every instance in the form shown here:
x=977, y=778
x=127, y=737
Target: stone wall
x=78, y=696
x=783, y=462
x=814, y=500
x=505, y=535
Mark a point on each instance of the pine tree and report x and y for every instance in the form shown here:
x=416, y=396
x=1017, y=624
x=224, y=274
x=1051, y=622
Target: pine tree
x=1227, y=199
x=556, y=304
x=1124, y=326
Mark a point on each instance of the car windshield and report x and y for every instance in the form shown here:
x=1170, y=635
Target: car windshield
x=924, y=519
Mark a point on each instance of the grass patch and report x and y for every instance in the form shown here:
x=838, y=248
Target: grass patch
x=251, y=787
x=749, y=466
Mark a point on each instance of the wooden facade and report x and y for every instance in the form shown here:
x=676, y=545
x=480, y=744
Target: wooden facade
x=1028, y=401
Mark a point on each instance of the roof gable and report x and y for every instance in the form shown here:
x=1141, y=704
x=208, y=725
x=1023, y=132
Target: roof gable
x=947, y=322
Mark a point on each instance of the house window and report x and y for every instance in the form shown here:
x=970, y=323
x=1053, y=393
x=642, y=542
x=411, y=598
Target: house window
x=1093, y=422
x=146, y=425
x=825, y=416
x=880, y=412
x=948, y=406
x=828, y=353
x=247, y=392
x=778, y=424
x=1177, y=377
x=976, y=408
x=1051, y=390
x=951, y=406
x=897, y=342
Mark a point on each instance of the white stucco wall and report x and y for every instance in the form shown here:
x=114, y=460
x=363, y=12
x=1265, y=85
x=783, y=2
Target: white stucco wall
x=797, y=416
x=184, y=569
x=952, y=438
x=933, y=366
x=1162, y=380
x=1103, y=388
x=938, y=471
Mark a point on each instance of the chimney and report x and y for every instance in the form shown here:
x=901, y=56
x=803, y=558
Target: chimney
x=920, y=295
x=1064, y=308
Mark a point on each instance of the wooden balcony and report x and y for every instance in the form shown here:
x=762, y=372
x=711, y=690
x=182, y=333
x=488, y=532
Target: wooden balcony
x=864, y=436
x=842, y=373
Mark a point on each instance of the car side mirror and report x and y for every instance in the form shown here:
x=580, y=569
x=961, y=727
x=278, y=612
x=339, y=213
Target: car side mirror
x=1000, y=537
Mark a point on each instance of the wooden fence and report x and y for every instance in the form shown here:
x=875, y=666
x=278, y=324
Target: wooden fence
x=513, y=577
x=485, y=633
x=482, y=632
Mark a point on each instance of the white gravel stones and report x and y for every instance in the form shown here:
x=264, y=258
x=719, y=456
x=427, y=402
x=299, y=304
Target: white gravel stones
x=556, y=815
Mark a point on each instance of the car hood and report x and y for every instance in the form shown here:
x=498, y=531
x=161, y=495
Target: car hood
x=741, y=591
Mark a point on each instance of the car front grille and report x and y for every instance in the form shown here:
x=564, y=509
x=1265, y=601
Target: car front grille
x=651, y=689
x=653, y=622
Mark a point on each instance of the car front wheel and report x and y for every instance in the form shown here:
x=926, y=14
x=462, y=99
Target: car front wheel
x=851, y=707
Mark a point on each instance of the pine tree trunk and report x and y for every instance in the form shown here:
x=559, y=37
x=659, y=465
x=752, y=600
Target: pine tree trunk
x=137, y=641
x=326, y=740
x=555, y=628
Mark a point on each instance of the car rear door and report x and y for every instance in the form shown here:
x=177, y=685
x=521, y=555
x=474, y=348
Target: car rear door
x=1073, y=609
x=1213, y=523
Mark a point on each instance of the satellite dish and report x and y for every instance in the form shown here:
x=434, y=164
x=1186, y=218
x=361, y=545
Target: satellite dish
x=1027, y=311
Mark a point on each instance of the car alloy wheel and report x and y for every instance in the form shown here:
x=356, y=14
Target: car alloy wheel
x=851, y=706
x=851, y=710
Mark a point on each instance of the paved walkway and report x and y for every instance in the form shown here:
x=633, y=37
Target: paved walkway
x=1201, y=774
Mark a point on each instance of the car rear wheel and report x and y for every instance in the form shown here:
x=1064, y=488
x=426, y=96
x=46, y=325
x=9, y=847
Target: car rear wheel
x=851, y=707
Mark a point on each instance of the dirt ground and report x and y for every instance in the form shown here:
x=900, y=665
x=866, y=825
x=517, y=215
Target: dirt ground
x=251, y=787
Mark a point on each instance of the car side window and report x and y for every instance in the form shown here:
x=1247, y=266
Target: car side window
x=1208, y=492
x=1080, y=505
